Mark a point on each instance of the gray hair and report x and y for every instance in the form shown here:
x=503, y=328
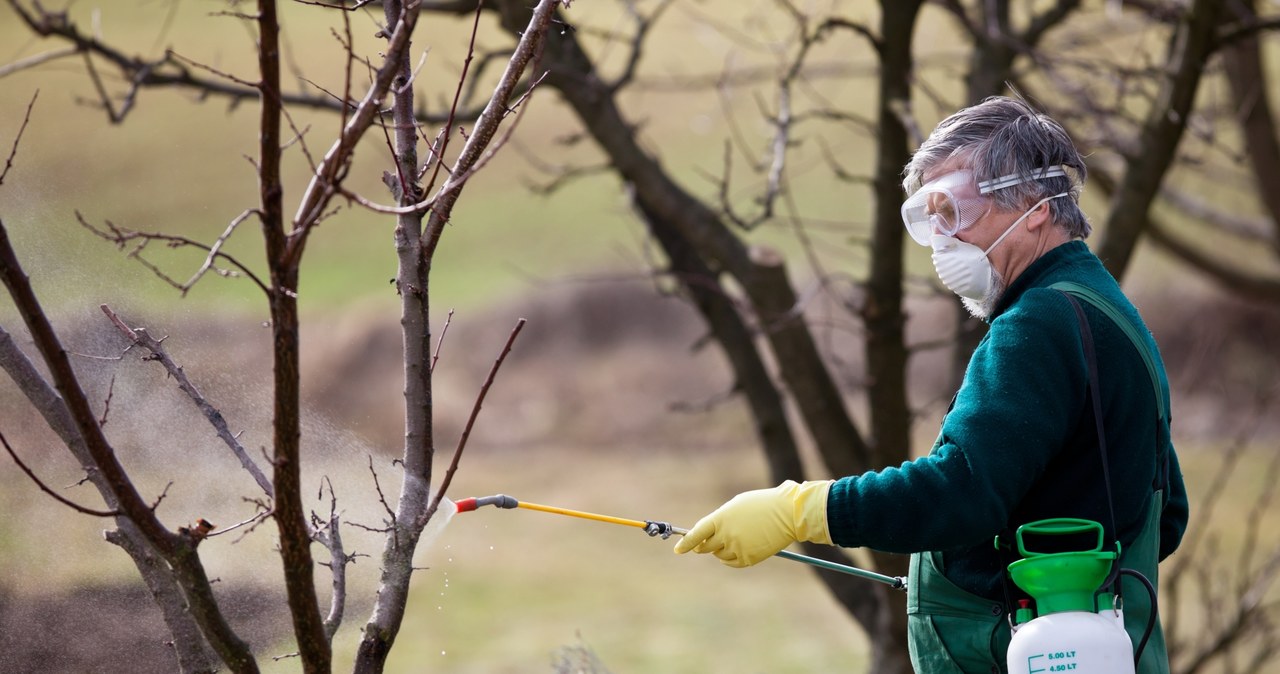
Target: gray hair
x=1002, y=136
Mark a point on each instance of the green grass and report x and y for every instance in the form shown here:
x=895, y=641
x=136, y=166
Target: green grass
x=179, y=165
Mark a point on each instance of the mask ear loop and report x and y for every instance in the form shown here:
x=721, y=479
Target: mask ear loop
x=1017, y=222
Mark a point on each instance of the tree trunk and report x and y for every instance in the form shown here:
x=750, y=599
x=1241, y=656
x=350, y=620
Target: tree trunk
x=1246, y=74
x=1157, y=145
x=412, y=283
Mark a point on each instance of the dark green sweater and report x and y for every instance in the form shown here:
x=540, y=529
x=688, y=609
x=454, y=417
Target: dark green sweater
x=1019, y=443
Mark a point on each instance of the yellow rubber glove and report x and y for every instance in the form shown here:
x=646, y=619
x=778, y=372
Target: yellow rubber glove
x=756, y=525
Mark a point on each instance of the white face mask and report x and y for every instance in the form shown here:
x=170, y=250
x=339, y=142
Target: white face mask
x=964, y=267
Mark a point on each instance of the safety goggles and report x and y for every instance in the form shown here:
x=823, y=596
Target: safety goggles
x=953, y=202
x=944, y=206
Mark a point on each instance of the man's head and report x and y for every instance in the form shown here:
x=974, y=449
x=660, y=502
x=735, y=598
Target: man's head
x=1001, y=137
x=991, y=174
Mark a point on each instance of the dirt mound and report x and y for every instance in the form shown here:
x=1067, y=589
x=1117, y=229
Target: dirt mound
x=594, y=362
x=114, y=629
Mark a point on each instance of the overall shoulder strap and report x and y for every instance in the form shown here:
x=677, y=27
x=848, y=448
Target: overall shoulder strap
x=1093, y=297
x=1095, y=394
x=1104, y=305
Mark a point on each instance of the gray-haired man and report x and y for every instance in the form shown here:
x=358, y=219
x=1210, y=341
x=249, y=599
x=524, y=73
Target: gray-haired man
x=994, y=192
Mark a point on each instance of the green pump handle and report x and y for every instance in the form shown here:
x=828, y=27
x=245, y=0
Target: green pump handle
x=1058, y=526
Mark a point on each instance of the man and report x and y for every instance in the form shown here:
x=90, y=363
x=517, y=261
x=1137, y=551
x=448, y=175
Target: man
x=994, y=191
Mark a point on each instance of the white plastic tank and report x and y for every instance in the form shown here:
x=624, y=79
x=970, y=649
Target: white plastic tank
x=1072, y=641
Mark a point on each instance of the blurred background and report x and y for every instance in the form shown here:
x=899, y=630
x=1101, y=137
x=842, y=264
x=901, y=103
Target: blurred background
x=611, y=400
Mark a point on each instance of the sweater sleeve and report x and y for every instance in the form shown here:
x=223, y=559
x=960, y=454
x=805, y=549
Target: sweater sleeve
x=1173, y=519
x=1023, y=392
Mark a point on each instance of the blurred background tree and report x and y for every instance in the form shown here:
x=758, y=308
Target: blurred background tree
x=759, y=147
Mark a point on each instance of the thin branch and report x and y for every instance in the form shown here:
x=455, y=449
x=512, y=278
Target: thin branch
x=121, y=236
x=382, y=498
x=457, y=95
x=343, y=7
x=140, y=337
x=215, y=251
x=457, y=178
x=833, y=23
x=13, y=152
x=260, y=516
x=435, y=357
x=38, y=59
x=476, y=151
x=471, y=420
x=106, y=404
x=643, y=26
x=46, y=489
x=1241, y=30
x=329, y=535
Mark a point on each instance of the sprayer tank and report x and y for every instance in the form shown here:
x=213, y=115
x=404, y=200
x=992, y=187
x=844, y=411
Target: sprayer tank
x=1079, y=642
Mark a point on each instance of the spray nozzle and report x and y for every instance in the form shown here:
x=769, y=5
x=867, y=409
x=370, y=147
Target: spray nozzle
x=499, y=500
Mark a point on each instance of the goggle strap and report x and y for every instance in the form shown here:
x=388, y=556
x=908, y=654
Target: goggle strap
x=989, y=186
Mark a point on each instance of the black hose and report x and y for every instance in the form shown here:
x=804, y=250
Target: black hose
x=1151, y=619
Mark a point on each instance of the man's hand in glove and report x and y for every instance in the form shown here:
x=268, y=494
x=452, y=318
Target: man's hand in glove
x=756, y=525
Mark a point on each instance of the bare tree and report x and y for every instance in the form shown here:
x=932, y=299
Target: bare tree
x=168, y=559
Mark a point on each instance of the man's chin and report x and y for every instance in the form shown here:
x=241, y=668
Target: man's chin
x=977, y=308
x=982, y=308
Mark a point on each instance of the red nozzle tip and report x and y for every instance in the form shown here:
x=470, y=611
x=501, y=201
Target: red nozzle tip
x=466, y=505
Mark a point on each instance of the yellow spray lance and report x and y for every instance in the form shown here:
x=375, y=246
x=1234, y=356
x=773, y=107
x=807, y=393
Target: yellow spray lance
x=665, y=530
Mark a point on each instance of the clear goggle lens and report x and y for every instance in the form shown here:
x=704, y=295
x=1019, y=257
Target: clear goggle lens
x=936, y=209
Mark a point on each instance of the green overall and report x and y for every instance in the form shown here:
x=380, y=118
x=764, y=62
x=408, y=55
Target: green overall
x=953, y=631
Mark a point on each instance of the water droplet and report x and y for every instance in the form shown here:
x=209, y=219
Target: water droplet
x=441, y=652
x=490, y=547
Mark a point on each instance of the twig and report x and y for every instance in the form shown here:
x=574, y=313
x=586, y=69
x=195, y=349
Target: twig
x=383, y=500
x=13, y=152
x=457, y=95
x=140, y=337
x=330, y=537
x=471, y=420
x=211, y=70
x=45, y=488
x=529, y=49
x=215, y=250
x=121, y=237
x=325, y=181
x=343, y=7
x=106, y=404
x=261, y=515
x=440, y=342
x=33, y=61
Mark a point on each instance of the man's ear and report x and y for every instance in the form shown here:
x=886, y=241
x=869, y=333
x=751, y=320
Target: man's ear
x=1039, y=217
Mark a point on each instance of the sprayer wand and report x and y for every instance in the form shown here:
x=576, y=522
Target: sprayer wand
x=665, y=530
